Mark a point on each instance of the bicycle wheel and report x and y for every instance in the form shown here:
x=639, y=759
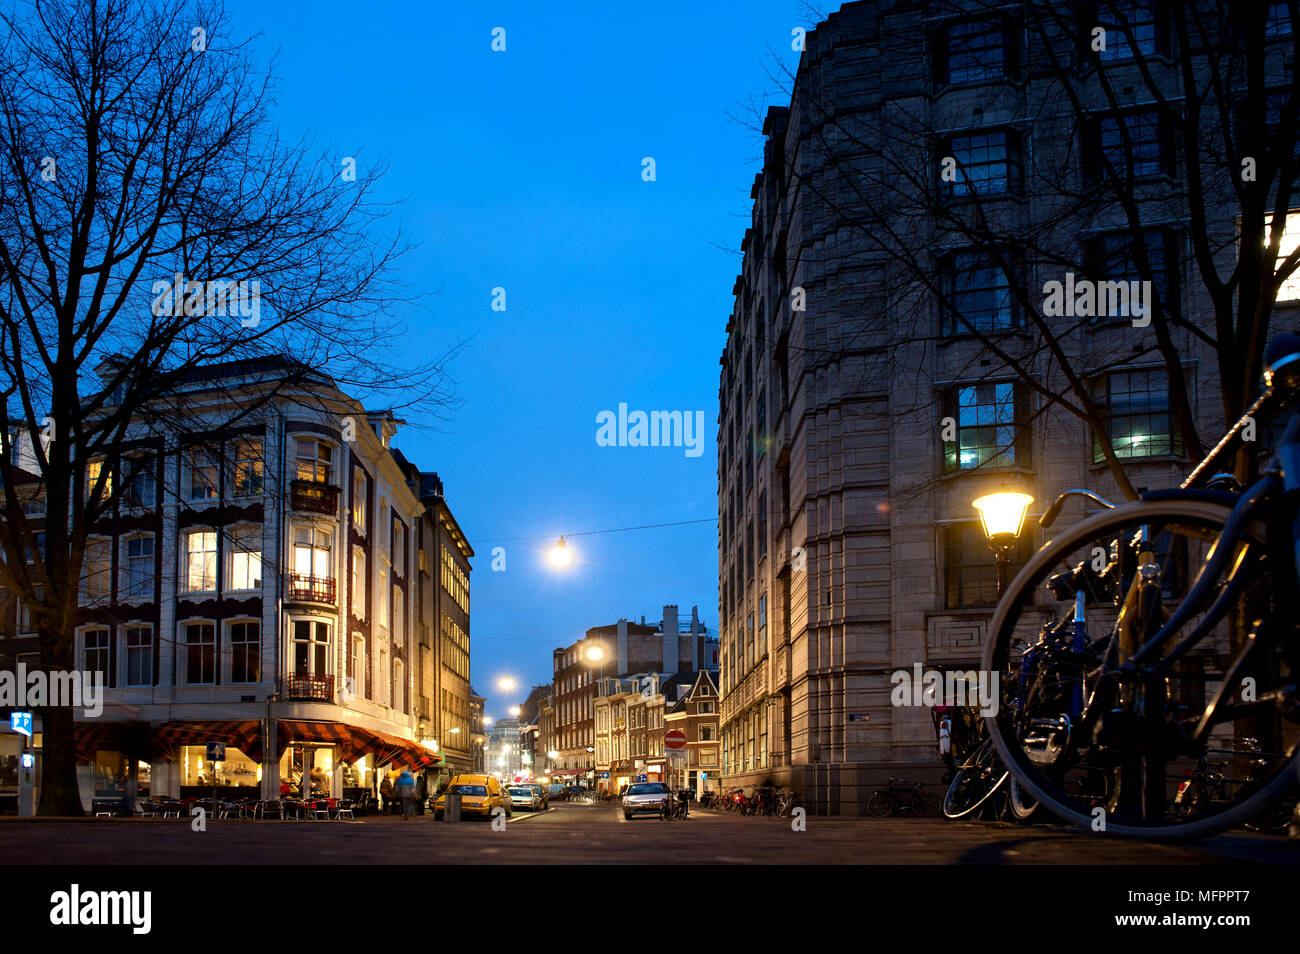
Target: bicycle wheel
x=977, y=779
x=1020, y=804
x=1081, y=730
x=880, y=805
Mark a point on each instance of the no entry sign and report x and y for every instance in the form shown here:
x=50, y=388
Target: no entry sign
x=674, y=739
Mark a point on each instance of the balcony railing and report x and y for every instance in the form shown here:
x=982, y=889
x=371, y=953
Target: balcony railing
x=311, y=589
x=313, y=496
x=311, y=688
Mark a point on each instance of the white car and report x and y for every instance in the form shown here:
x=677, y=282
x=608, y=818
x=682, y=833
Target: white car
x=525, y=796
x=644, y=798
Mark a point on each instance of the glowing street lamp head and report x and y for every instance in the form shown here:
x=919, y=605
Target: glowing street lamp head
x=506, y=683
x=596, y=653
x=559, y=557
x=1003, y=515
x=516, y=711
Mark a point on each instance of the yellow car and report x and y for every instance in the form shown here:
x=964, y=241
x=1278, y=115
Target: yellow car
x=479, y=795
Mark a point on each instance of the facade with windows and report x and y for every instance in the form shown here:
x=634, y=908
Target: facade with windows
x=859, y=414
x=255, y=585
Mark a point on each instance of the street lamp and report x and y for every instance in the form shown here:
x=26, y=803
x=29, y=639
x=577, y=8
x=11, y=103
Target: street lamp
x=506, y=683
x=516, y=711
x=559, y=557
x=1002, y=515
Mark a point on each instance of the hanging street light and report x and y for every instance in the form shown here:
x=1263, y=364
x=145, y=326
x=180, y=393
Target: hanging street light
x=559, y=557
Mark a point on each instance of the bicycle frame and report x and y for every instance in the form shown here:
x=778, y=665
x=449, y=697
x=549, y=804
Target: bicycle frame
x=1281, y=478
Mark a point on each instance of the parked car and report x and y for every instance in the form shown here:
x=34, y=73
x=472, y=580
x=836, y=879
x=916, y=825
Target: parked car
x=542, y=793
x=479, y=795
x=644, y=798
x=525, y=797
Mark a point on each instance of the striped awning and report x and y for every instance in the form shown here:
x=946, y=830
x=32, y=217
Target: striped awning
x=354, y=741
x=242, y=734
x=129, y=738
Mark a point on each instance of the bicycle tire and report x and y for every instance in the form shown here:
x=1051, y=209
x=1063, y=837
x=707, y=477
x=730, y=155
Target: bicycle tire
x=1093, y=528
x=1020, y=804
x=880, y=805
x=980, y=762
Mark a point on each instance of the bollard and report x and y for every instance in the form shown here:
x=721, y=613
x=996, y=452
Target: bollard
x=451, y=812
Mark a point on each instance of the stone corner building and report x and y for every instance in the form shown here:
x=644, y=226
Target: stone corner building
x=848, y=547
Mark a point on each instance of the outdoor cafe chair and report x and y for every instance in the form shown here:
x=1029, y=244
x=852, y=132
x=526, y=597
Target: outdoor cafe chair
x=344, y=808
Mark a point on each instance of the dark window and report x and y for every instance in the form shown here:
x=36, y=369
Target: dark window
x=1147, y=152
x=1281, y=19
x=760, y=421
x=972, y=51
x=1114, y=258
x=248, y=468
x=1132, y=29
x=139, y=656
x=762, y=523
x=1139, y=420
x=245, y=652
x=978, y=295
x=200, y=654
x=310, y=647
x=987, y=163
x=98, y=653
x=992, y=426
x=970, y=573
x=141, y=490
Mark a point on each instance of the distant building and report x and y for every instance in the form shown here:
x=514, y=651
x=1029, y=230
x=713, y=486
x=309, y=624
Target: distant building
x=616, y=650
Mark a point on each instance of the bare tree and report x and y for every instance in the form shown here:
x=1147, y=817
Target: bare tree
x=152, y=223
x=1119, y=118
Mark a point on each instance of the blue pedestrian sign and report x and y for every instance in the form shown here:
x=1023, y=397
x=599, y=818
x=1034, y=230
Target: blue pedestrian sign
x=21, y=722
x=216, y=751
x=641, y=778
x=604, y=775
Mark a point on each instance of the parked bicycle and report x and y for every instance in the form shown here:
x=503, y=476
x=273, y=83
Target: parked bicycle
x=902, y=798
x=1166, y=629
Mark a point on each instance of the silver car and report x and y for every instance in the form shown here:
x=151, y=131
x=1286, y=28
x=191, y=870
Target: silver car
x=525, y=796
x=644, y=798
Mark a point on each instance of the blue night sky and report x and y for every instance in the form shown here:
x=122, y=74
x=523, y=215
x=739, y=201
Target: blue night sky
x=522, y=170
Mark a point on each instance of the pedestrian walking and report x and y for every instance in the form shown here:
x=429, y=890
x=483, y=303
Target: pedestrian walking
x=406, y=792
x=386, y=793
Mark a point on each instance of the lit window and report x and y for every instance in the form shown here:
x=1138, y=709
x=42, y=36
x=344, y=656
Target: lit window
x=246, y=559
x=201, y=561
x=315, y=461
x=1139, y=420
x=990, y=421
x=1289, y=290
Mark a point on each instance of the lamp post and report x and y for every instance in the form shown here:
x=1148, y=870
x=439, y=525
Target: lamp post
x=1002, y=514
